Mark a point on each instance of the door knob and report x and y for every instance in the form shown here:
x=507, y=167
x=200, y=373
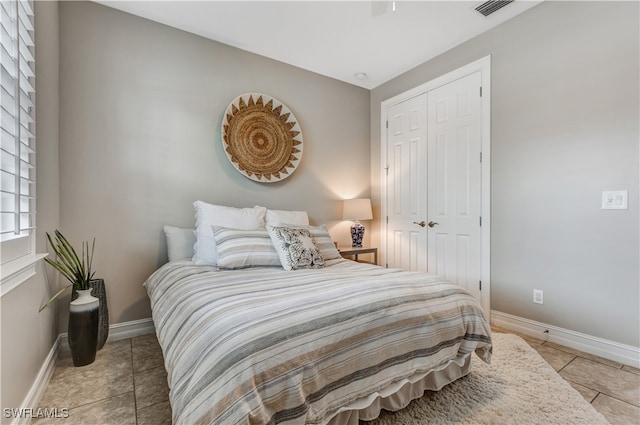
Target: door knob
x=431, y=224
x=421, y=224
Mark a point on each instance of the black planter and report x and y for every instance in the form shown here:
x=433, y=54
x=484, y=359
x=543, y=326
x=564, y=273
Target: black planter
x=98, y=291
x=83, y=328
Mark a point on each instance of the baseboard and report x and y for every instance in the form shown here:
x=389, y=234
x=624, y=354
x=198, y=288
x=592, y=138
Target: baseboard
x=621, y=353
x=120, y=331
x=36, y=391
x=131, y=329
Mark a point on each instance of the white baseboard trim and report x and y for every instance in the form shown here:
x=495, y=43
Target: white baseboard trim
x=615, y=351
x=120, y=331
x=36, y=391
x=131, y=329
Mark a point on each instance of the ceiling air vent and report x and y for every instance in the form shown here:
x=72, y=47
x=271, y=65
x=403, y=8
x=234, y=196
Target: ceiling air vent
x=488, y=7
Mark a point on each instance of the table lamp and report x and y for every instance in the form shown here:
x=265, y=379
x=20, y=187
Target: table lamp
x=356, y=210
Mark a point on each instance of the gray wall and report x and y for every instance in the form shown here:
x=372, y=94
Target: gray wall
x=140, y=111
x=28, y=336
x=565, y=127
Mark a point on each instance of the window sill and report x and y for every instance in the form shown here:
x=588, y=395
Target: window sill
x=16, y=272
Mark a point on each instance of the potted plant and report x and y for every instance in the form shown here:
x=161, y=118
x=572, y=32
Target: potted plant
x=83, y=311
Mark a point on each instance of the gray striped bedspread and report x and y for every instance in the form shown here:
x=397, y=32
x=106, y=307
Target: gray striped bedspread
x=267, y=346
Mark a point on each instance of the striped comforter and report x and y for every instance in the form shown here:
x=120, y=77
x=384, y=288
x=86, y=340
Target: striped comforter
x=264, y=346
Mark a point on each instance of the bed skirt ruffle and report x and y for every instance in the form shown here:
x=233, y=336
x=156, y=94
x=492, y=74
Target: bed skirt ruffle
x=398, y=395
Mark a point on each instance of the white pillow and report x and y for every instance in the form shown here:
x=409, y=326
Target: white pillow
x=321, y=237
x=240, y=249
x=296, y=248
x=179, y=242
x=207, y=215
x=290, y=217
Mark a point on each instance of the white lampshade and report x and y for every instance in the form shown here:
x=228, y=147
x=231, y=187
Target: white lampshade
x=357, y=209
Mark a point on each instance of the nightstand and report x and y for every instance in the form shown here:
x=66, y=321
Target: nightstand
x=355, y=252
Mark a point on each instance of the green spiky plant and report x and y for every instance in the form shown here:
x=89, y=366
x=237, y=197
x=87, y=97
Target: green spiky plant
x=76, y=269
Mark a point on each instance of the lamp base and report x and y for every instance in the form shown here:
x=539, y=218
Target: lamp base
x=357, y=234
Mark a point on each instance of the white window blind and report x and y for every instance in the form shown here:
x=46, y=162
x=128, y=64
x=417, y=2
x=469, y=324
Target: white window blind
x=17, y=147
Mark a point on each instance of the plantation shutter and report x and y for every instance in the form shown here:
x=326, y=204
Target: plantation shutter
x=17, y=166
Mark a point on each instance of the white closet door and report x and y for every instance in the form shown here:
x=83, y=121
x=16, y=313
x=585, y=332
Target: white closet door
x=406, y=184
x=455, y=182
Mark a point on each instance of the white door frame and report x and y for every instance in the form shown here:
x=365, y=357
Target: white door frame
x=484, y=66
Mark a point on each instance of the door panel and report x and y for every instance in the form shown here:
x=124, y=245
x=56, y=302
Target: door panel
x=406, y=183
x=454, y=181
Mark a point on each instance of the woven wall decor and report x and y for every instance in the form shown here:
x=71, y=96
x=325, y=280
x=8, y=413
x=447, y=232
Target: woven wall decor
x=261, y=138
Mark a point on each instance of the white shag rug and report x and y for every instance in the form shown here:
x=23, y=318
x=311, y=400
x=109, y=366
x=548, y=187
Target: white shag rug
x=519, y=387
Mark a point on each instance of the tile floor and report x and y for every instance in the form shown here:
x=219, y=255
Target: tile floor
x=612, y=388
x=127, y=384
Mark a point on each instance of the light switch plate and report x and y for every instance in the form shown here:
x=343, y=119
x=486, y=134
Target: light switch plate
x=615, y=200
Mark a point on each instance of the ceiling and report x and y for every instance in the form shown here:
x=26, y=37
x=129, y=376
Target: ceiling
x=338, y=39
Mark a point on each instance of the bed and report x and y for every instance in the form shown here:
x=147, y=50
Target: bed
x=335, y=344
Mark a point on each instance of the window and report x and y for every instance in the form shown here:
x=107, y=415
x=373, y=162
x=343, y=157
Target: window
x=17, y=141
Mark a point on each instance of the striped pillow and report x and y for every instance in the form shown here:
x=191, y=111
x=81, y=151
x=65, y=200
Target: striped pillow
x=241, y=249
x=324, y=242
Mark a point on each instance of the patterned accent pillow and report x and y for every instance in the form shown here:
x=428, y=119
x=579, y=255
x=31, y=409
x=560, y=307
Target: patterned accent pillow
x=241, y=249
x=321, y=237
x=296, y=248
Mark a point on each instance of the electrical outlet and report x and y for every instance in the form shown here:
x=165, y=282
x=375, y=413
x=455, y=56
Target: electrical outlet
x=615, y=200
x=538, y=296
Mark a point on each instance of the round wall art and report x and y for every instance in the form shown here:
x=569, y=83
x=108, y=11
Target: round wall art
x=261, y=138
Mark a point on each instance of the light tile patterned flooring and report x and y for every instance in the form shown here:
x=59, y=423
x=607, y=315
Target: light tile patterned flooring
x=612, y=388
x=127, y=384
